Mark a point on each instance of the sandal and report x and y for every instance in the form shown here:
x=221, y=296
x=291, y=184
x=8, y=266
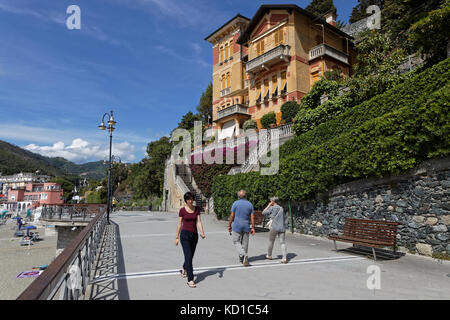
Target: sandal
x=191, y=284
x=183, y=273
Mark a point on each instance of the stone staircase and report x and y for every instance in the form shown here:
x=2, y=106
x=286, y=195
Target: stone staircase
x=184, y=172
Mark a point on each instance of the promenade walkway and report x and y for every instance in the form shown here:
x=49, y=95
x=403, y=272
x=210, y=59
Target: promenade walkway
x=139, y=260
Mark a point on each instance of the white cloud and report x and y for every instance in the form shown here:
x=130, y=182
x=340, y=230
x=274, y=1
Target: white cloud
x=80, y=151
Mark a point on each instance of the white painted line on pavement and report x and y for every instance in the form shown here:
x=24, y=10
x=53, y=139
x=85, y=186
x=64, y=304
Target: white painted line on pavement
x=173, y=272
x=164, y=234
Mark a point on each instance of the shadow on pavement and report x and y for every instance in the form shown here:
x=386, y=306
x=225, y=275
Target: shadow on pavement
x=110, y=262
x=202, y=276
x=381, y=254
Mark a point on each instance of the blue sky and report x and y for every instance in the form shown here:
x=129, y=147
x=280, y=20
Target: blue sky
x=145, y=59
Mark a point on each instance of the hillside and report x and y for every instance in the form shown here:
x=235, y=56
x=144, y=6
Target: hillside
x=14, y=159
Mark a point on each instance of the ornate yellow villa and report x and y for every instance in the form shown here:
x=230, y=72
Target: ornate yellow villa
x=260, y=63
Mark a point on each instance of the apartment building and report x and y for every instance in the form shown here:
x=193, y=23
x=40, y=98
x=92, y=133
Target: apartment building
x=275, y=57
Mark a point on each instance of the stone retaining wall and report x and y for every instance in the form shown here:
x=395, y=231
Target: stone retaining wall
x=419, y=200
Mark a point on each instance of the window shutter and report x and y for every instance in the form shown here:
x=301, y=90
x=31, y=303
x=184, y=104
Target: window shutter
x=283, y=82
x=274, y=84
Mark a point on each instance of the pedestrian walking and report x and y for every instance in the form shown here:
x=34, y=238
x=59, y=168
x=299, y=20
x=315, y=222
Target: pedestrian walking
x=189, y=218
x=239, y=225
x=277, y=225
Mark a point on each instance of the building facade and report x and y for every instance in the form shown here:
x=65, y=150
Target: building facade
x=20, y=180
x=276, y=57
x=35, y=194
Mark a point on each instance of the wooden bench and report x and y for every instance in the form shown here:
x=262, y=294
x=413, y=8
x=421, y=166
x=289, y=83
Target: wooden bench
x=369, y=233
x=260, y=219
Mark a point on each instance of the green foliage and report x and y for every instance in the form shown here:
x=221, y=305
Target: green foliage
x=96, y=196
x=187, y=121
x=146, y=177
x=432, y=33
x=250, y=124
x=333, y=74
x=289, y=110
x=268, y=119
x=312, y=99
x=204, y=107
x=387, y=134
x=321, y=7
x=399, y=15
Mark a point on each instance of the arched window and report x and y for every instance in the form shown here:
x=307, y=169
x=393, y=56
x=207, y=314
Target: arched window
x=228, y=80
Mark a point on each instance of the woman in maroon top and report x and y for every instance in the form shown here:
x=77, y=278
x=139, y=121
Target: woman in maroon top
x=189, y=217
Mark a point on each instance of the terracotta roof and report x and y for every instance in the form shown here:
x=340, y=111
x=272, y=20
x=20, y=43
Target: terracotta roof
x=290, y=7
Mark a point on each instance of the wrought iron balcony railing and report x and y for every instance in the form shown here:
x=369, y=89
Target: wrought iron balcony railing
x=326, y=50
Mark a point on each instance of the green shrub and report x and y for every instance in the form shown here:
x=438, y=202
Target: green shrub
x=289, y=110
x=388, y=134
x=312, y=99
x=249, y=124
x=268, y=119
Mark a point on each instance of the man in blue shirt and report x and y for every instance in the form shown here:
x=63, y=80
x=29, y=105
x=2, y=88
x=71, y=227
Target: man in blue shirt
x=239, y=222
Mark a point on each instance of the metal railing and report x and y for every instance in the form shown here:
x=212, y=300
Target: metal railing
x=277, y=53
x=324, y=49
x=235, y=108
x=70, y=272
x=70, y=212
x=263, y=146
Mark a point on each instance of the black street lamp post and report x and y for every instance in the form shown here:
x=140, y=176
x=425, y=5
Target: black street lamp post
x=110, y=128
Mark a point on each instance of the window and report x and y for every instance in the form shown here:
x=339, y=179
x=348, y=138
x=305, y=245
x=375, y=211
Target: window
x=258, y=92
x=315, y=77
x=266, y=89
x=283, y=83
x=279, y=37
x=228, y=80
x=43, y=196
x=260, y=47
x=223, y=82
x=230, y=48
x=221, y=54
x=274, y=86
x=227, y=51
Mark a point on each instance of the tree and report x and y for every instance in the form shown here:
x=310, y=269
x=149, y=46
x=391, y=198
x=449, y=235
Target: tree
x=431, y=33
x=321, y=7
x=187, y=121
x=399, y=15
x=204, y=108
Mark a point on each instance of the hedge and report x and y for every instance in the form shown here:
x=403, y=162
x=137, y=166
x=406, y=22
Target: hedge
x=388, y=134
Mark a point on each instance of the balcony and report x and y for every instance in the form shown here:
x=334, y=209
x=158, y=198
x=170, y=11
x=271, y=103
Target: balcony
x=225, y=92
x=232, y=110
x=326, y=50
x=271, y=57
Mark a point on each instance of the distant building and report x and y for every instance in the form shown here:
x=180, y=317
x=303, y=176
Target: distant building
x=22, y=198
x=19, y=180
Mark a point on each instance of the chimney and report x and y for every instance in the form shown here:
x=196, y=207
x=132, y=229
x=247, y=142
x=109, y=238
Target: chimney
x=330, y=18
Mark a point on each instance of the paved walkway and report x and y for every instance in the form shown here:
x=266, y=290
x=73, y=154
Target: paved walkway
x=141, y=261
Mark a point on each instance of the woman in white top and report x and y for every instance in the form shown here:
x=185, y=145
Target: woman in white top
x=278, y=227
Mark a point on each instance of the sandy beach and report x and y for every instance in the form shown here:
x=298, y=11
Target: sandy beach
x=15, y=258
